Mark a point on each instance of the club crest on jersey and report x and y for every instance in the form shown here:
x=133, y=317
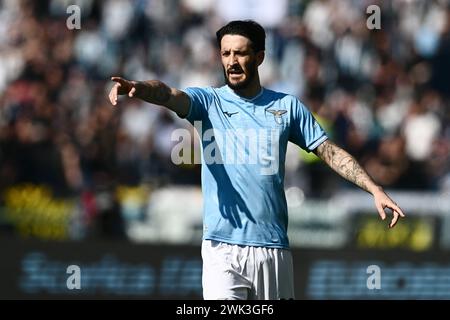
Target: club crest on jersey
x=277, y=115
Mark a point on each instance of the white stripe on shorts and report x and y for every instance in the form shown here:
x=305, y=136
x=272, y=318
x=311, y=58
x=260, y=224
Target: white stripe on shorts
x=234, y=272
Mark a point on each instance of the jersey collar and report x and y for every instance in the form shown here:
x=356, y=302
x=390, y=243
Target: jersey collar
x=245, y=99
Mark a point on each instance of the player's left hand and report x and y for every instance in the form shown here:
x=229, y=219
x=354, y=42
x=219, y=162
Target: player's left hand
x=383, y=201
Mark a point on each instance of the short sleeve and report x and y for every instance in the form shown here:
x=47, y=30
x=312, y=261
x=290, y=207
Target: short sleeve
x=200, y=101
x=305, y=131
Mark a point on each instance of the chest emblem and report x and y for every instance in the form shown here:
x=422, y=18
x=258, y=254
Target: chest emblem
x=277, y=114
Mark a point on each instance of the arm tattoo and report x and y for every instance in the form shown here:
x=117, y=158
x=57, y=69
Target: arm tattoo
x=344, y=164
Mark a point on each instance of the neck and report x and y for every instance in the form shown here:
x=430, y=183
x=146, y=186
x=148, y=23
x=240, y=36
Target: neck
x=253, y=89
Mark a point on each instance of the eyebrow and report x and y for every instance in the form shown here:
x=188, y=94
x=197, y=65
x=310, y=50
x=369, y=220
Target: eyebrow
x=235, y=50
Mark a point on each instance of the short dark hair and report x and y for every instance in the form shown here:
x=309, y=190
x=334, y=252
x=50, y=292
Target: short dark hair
x=246, y=28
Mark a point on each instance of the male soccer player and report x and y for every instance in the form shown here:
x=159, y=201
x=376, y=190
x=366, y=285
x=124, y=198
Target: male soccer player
x=245, y=248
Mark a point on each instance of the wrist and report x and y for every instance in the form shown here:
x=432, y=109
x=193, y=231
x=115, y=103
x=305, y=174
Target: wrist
x=376, y=189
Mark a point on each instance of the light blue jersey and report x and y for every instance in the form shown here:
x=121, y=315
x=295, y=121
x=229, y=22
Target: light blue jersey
x=244, y=144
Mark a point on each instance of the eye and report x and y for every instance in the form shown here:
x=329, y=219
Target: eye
x=241, y=53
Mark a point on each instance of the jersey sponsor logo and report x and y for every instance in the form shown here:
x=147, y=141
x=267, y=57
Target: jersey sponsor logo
x=277, y=115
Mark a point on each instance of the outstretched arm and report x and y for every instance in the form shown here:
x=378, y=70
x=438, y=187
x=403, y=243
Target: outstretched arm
x=153, y=91
x=343, y=163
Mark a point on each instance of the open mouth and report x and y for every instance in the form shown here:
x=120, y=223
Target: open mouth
x=235, y=74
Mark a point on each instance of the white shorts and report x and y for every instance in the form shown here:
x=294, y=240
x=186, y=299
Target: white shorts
x=233, y=272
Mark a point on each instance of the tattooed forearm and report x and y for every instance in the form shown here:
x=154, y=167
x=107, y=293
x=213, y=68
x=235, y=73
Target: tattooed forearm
x=346, y=165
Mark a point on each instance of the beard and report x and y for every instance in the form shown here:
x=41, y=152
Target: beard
x=244, y=83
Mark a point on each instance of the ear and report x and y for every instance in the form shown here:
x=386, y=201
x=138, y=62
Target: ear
x=260, y=57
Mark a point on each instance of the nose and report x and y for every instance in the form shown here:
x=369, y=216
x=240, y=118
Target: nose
x=232, y=60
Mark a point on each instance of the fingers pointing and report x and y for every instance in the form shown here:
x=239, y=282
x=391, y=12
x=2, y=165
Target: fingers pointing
x=381, y=211
x=397, y=213
x=394, y=219
x=397, y=208
x=113, y=94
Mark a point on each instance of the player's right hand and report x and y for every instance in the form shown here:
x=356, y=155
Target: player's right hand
x=121, y=87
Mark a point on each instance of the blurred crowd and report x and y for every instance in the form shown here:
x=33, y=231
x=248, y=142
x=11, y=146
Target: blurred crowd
x=382, y=94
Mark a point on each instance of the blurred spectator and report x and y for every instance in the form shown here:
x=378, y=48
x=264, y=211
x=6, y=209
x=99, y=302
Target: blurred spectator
x=383, y=93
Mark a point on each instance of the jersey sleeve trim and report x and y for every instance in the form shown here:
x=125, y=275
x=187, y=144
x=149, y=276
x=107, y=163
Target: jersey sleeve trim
x=317, y=143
